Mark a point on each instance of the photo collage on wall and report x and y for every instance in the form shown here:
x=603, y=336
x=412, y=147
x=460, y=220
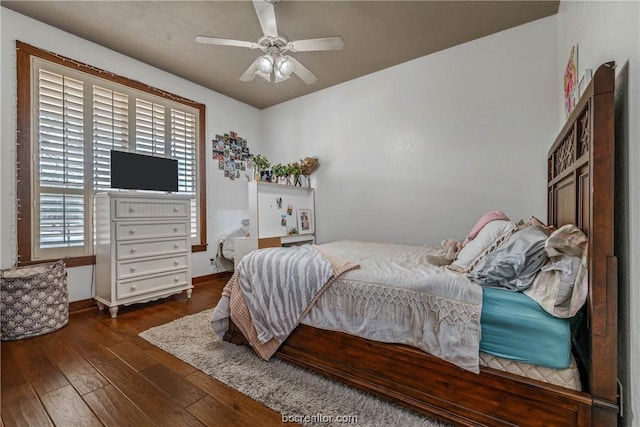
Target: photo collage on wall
x=232, y=154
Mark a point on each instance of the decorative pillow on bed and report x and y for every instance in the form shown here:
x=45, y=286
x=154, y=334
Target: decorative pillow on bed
x=515, y=264
x=561, y=287
x=535, y=221
x=488, y=239
x=447, y=254
x=484, y=220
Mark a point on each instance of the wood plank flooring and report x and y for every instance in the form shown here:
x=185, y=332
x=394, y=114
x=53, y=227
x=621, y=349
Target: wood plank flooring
x=96, y=371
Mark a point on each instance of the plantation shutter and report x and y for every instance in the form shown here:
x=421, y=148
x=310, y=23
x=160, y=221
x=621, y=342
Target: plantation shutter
x=78, y=120
x=183, y=148
x=110, y=132
x=59, y=197
x=150, y=128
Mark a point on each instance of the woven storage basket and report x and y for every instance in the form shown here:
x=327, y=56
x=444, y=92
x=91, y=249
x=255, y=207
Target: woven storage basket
x=34, y=300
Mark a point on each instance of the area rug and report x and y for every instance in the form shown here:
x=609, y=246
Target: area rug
x=293, y=392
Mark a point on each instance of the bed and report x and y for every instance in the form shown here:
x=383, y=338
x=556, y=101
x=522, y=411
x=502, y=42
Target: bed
x=580, y=191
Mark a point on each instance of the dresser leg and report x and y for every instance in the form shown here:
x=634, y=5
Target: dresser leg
x=100, y=306
x=114, y=311
x=189, y=292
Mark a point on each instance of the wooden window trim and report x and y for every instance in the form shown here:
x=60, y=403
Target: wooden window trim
x=24, y=52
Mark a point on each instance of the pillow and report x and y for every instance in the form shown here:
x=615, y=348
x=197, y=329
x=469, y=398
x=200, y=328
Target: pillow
x=488, y=239
x=447, y=253
x=535, y=221
x=484, y=220
x=515, y=264
x=561, y=287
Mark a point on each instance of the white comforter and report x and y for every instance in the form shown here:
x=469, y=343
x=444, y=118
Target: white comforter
x=400, y=295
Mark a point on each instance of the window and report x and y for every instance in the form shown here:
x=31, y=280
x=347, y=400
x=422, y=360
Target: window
x=69, y=120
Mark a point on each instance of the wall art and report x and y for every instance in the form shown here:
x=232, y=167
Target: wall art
x=232, y=153
x=571, y=93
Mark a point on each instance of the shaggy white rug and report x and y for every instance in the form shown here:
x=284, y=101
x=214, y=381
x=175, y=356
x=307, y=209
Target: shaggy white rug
x=285, y=388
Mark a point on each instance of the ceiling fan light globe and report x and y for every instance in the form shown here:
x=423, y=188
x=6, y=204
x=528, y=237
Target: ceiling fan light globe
x=284, y=66
x=265, y=64
x=279, y=76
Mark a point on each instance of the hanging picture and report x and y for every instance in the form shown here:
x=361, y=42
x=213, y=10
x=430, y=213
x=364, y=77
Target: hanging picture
x=571, y=91
x=305, y=222
x=232, y=153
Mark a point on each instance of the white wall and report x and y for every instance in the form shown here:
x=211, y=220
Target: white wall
x=418, y=152
x=226, y=200
x=606, y=31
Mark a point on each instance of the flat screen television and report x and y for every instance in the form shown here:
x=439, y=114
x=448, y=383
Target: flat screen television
x=134, y=171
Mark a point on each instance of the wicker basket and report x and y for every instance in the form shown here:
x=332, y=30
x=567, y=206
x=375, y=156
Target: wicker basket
x=34, y=300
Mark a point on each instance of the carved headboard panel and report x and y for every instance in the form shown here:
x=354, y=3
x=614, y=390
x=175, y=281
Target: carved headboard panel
x=581, y=191
x=568, y=168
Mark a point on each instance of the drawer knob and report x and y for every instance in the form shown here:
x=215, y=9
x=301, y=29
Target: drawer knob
x=133, y=287
x=175, y=209
x=176, y=262
x=132, y=231
x=176, y=246
x=132, y=250
x=133, y=268
x=175, y=229
x=176, y=279
x=131, y=210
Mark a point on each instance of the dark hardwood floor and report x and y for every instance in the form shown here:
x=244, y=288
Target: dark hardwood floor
x=97, y=371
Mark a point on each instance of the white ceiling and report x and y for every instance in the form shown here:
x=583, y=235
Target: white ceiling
x=377, y=35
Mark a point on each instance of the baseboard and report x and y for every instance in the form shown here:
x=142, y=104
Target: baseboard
x=209, y=277
x=85, y=304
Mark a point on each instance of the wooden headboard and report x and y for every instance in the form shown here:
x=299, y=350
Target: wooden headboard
x=581, y=192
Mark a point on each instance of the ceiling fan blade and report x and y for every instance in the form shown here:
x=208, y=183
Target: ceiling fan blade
x=302, y=71
x=250, y=74
x=267, y=17
x=226, y=42
x=324, y=43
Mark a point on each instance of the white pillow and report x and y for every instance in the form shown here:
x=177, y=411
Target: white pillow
x=490, y=234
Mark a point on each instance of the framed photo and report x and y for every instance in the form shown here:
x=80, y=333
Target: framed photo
x=305, y=221
x=584, y=80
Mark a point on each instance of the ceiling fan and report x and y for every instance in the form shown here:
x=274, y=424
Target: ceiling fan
x=275, y=47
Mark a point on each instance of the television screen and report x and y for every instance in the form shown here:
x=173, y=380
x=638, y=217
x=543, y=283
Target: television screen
x=133, y=171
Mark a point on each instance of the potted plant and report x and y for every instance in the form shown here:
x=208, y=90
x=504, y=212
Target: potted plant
x=260, y=163
x=293, y=172
x=307, y=166
x=279, y=171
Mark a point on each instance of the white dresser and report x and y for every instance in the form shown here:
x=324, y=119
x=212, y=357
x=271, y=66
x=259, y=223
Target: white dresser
x=143, y=249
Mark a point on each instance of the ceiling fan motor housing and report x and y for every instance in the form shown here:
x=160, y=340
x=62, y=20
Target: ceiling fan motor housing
x=273, y=45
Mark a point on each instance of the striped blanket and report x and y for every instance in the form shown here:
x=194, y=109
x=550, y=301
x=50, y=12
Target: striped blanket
x=272, y=290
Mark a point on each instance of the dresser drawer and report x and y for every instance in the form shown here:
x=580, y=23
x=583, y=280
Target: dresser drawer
x=138, y=267
x=138, y=230
x=131, y=249
x=140, y=208
x=151, y=284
